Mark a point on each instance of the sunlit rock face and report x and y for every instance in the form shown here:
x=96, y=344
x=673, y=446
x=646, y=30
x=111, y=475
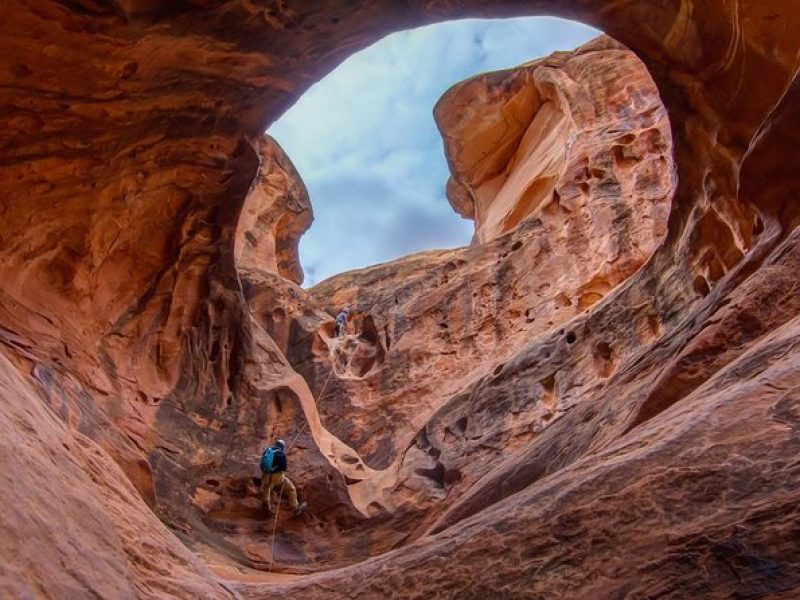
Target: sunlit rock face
x=581, y=133
x=643, y=445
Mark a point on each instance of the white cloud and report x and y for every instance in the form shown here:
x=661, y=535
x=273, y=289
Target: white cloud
x=366, y=145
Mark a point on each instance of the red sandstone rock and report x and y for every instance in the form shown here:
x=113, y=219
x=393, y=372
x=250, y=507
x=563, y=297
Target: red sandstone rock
x=643, y=448
x=561, y=134
x=276, y=213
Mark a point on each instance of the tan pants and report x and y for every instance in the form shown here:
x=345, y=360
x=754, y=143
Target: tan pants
x=278, y=481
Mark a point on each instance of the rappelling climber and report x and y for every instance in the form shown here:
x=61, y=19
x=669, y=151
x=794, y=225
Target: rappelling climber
x=341, y=321
x=273, y=467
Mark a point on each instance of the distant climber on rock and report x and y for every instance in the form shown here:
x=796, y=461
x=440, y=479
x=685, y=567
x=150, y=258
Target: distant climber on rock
x=273, y=468
x=341, y=321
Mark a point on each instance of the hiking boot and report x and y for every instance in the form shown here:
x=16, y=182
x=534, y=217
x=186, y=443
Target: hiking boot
x=300, y=509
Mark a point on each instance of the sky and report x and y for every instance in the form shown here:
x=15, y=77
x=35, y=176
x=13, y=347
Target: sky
x=365, y=143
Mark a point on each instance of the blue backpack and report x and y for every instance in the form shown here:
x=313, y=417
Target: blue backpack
x=268, y=459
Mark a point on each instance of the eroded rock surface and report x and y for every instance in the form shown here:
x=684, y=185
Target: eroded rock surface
x=561, y=133
x=275, y=214
x=644, y=444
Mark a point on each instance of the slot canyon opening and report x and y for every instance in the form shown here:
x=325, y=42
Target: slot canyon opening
x=365, y=145
x=147, y=350
x=364, y=141
x=562, y=163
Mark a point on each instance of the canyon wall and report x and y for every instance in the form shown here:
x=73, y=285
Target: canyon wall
x=427, y=326
x=632, y=433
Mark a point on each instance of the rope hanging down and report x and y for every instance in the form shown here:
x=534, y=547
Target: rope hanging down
x=316, y=401
x=280, y=494
x=274, y=527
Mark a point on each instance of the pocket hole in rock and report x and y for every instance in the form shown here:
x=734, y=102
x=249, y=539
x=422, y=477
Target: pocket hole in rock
x=701, y=286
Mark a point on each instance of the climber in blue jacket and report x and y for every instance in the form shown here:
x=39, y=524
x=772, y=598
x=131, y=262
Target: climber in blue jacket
x=273, y=469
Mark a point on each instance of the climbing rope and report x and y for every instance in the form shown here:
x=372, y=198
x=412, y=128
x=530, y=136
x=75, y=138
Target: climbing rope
x=316, y=401
x=280, y=494
x=275, y=523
